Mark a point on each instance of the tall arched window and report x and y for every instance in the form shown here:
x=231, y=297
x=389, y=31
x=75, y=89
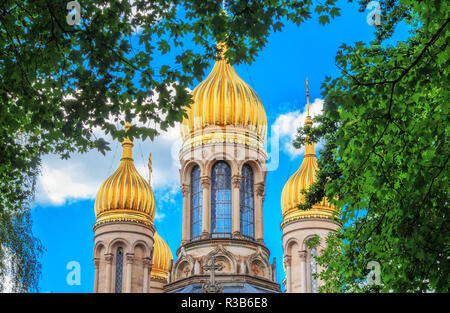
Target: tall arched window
x=247, y=203
x=119, y=269
x=196, y=203
x=313, y=270
x=221, y=200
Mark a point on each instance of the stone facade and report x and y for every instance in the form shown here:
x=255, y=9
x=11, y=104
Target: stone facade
x=297, y=256
x=244, y=260
x=136, y=242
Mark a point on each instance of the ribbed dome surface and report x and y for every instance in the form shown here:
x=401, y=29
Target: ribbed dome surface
x=224, y=99
x=162, y=257
x=125, y=195
x=305, y=176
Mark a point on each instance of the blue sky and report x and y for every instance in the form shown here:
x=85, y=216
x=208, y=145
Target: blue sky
x=64, y=209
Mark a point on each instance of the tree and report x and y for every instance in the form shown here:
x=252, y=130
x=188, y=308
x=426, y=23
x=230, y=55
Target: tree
x=59, y=82
x=385, y=159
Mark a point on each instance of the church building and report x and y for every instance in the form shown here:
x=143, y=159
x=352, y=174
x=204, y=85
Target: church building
x=222, y=180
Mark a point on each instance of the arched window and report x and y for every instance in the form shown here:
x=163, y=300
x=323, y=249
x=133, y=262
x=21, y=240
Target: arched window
x=247, y=203
x=119, y=269
x=221, y=200
x=313, y=270
x=196, y=203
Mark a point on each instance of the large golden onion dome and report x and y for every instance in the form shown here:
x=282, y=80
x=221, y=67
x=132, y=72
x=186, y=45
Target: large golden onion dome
x=222, y=100
x=125, y=195
x=162, y=258
x=291, y=196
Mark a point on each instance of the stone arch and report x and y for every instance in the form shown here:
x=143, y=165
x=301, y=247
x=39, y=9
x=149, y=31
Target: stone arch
x=98, y=248
x=117, y=241
x=305, y=240
x=186, y=170
x=179, y=267
x=288, y=247
x=258, y=172
x=219, y=156
x=258, y=265
x=223, y=256
x=308, y=260
x=144, y=245
x=183, y=269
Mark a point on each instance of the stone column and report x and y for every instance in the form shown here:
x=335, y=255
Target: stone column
x=147, y=271
x=186, y=233
x=287, y=265
x=235, y=206
x=206, y=216
x=259, y=200
x=96, y=266
x=302, y=255
x=130, y=260
x=109, y=260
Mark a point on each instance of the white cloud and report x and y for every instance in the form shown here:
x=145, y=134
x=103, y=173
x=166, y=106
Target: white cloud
x=80, y=176
x=288, y=123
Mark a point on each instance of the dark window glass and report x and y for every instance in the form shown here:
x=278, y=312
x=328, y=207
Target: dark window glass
x=313, y=270
x=119, y=270
x=247, y=203
x=196, y=203
x=221, y=200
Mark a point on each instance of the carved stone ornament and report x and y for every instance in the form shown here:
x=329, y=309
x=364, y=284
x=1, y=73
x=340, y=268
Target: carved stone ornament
x=236, y=181
x=148, y=263
x=206, y=181
x=109, y=258
x=259, y=189
x=287, y=260
x=205, y=153
x=185, y=190
x=302, y=255
x=130, y=258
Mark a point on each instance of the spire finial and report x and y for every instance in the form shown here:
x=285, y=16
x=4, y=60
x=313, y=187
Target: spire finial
x=150, y=168
x=223, y=5
x=127, y=145
x=127, y=126
x=309, y=147
x=307, y=94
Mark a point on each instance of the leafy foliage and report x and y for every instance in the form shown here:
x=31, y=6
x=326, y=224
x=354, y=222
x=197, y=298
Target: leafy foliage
x=385, y=160
x=59, y=83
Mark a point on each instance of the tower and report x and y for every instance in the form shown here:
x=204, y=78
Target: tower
x=162, y=260
x=223, y=181
x=124, y=231
x=300, y=226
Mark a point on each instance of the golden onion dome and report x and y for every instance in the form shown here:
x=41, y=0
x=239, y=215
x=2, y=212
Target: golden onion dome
x=291, y=196
x=224, y=99
x=125, y=195
x=162, y=258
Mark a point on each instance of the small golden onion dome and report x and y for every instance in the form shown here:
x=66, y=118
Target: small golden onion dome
x=224, y=99
x=305, y=176
x=162, y=257
x=125, y=195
